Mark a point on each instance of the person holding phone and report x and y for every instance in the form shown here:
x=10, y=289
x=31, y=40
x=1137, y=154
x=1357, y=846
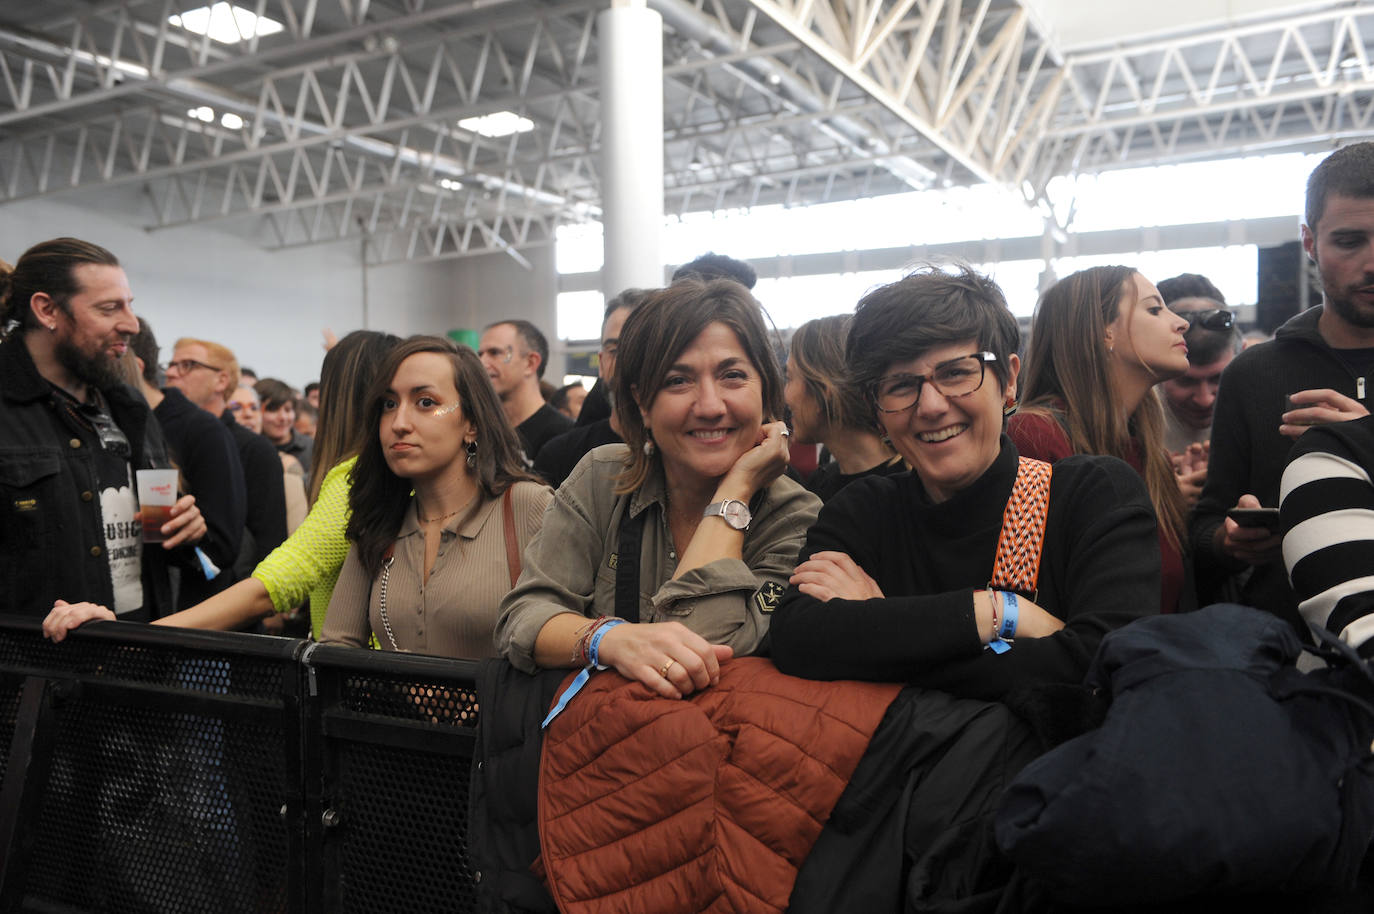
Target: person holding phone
x=1316, y=370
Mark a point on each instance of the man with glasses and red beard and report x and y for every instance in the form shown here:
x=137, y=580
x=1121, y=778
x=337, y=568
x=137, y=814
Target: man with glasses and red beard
x=71, y=436
x=1316, y=370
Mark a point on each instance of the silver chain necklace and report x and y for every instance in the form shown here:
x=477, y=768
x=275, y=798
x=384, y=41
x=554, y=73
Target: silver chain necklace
x=381, y=600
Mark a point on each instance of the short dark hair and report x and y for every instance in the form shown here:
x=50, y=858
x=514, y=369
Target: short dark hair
x=532, y=338
x=629, y=298
x=144, y=346
x=717, y=266
x=658, y=332
x=930, y=307
x=47, y=267
x=559, y=400
x=1189, y=285
x=274, y=393
x=1347, y=172
x=313, y=385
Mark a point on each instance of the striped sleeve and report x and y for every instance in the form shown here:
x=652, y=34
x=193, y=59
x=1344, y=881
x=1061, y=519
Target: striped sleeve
x=1327, y=506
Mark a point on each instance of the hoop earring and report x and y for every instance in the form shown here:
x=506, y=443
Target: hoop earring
x=472, y=454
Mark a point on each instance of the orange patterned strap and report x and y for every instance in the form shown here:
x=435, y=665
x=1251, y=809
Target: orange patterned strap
x=1023, y=530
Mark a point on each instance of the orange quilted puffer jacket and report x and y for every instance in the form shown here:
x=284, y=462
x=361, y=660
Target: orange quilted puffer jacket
x=706, y=804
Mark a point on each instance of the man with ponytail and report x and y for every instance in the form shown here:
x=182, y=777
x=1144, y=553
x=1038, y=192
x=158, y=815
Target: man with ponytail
x=71, y=436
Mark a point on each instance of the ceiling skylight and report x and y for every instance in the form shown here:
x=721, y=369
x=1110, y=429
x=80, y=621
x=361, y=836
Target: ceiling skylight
x=502, y=123
x=226, y=23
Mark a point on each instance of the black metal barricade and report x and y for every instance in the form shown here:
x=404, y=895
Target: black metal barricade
x=149, y=769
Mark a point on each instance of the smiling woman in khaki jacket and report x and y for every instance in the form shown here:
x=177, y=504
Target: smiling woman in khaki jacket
x=698, y=395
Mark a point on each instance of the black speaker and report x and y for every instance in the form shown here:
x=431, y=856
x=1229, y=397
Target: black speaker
x=1282, y=289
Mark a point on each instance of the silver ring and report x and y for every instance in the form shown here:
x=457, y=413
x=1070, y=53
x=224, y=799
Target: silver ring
x=786, y=433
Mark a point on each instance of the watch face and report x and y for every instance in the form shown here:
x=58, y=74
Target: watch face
x=736, y=514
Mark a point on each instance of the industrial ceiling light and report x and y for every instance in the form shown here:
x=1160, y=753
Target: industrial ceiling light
x=226, y=23
x=501, y=123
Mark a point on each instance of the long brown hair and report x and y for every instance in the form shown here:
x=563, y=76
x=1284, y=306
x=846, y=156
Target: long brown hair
x=378, y=498
x=346, y=376
x=658, y=331
x=1068, y=361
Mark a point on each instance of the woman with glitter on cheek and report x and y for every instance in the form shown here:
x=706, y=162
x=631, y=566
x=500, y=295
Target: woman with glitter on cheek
x=433, y=493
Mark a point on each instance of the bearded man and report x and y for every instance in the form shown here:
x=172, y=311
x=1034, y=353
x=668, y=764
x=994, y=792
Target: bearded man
x=71, y=436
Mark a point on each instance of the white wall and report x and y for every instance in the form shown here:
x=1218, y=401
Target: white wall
x=496, y=287
x=218, y=282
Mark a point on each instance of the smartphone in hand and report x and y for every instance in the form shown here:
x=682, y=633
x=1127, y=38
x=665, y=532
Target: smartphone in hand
x=1268, y=518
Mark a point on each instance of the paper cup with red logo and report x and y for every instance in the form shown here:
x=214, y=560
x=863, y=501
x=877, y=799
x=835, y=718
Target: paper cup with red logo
x=157, y=492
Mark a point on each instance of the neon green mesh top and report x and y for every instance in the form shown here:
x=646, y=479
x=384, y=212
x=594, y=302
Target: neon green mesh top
x=308, y=562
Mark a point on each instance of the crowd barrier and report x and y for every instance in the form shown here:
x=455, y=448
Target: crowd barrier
x=150, y=770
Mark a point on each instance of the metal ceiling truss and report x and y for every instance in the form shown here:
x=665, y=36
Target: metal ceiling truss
x=966, y=76
x=1299, y=83
x=348, y=119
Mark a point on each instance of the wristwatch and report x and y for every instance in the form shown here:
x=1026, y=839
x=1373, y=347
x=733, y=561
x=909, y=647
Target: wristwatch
x=733, y=512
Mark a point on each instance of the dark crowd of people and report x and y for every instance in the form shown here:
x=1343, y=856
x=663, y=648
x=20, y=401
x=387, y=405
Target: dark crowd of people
x=986, y=510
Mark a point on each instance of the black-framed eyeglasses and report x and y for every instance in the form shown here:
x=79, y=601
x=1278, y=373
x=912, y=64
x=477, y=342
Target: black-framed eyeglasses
x=498, y=353
x=1211, y=319
x=186, y=366
x=240, y=407
x=954, y=378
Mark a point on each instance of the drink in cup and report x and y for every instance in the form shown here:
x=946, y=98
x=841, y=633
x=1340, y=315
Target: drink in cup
x=157, y=492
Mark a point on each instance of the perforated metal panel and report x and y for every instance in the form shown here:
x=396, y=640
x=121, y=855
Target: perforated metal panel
x=402, y=830
x=440, y=702
x=207, y=773
x=167, y=777
x=401, y=808
x=147, y=810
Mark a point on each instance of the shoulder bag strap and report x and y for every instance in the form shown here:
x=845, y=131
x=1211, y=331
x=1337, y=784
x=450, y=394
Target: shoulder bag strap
x=1017, y=566
x=627, y=564
x=512, y=545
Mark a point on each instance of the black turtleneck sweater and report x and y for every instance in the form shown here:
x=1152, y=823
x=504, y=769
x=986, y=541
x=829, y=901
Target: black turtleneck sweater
x=1099, y=570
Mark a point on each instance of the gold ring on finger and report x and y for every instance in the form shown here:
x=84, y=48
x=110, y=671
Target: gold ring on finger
x=664, y=671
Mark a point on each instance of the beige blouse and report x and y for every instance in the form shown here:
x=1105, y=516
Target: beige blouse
x=454, y=614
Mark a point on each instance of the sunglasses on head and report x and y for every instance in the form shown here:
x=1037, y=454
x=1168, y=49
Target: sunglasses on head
x=1211, y=319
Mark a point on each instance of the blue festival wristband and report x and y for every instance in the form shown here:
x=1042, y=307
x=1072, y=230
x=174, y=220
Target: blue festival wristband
x=594, y=663
x=1010, y=610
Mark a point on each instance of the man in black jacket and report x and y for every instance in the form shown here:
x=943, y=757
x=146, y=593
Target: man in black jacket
x=204, y=451
x=1323, y=359
x=71, y=435
x=207, y=373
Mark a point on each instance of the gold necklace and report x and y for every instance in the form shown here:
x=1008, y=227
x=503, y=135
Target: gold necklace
x=436, y=519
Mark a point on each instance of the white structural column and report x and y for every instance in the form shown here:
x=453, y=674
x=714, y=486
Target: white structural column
x=630, y=45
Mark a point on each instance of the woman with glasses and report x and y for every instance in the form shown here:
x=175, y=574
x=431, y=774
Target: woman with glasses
x=828, y=412
x=696, y=493
x=1101, y=340
x=916, y=578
